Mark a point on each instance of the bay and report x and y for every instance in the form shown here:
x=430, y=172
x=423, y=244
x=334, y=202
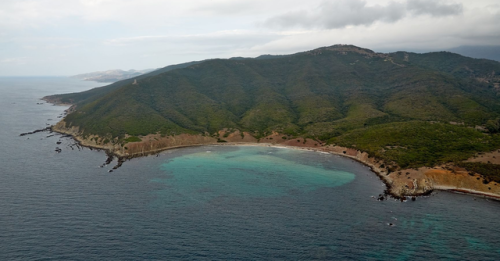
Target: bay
x=211, y=202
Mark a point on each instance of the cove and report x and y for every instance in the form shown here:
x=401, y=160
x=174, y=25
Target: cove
x=63, y=206
x=245, y=172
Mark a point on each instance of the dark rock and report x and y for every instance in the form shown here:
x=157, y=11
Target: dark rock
x=109, y=159
x=35, y=131
x=120, y=162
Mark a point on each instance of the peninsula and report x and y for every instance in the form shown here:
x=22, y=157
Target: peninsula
x=420, y=121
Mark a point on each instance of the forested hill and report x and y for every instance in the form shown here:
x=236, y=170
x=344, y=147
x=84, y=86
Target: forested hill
x=321, y=93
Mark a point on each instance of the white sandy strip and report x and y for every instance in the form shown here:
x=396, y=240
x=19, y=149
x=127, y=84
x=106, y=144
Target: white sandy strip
x=466, y=190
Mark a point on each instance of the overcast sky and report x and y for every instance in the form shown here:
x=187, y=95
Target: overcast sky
x=65, y=37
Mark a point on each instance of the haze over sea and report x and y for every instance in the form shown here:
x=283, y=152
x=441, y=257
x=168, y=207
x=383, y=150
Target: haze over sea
x=211, y=202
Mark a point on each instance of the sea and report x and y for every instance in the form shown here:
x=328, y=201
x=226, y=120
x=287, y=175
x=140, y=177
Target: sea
x=211, y=202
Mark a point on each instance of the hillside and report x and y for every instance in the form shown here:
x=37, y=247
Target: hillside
x=408, y=109
x=320, y=93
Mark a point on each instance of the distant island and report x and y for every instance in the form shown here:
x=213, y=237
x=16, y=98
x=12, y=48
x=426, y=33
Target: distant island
x=420, y=121
x=111, y=75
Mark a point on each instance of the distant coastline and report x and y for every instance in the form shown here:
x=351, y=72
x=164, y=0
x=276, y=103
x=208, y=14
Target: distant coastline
x=110, y=76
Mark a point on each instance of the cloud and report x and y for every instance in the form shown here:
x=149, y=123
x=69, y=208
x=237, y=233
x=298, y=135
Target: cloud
x=74, y=36
x=433, y=8
x=343, y=13
x=20, y=14
x=235, y=38
x=14, y=61
x=227, y=7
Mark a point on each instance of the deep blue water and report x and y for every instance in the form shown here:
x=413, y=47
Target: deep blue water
x=212, y=202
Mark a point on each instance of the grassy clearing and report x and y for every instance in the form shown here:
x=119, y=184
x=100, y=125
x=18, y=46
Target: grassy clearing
x=132, y=139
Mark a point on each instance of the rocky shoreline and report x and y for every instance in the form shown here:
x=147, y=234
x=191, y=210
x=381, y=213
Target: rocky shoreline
x=401, y=184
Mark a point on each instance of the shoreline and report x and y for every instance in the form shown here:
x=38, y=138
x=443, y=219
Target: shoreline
x=416, y=182
x=373, y=168
x=439, y=187
x=394, y=187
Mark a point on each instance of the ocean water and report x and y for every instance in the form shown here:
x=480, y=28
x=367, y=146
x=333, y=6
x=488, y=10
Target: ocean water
x=211, y=202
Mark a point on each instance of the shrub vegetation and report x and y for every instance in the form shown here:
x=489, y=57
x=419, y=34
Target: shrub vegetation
x=410, y=109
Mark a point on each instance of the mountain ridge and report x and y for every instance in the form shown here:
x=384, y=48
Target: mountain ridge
x=338, y=95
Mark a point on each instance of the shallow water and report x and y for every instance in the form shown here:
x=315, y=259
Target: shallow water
x=212, y=202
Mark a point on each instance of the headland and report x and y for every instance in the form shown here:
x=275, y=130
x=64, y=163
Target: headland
x=401, y=183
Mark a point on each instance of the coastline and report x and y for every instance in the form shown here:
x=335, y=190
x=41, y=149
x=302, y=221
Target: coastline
x=414, y=183
x=377, y=171
x=400, y=184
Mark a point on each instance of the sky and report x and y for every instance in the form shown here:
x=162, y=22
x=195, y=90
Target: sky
x=67, y=37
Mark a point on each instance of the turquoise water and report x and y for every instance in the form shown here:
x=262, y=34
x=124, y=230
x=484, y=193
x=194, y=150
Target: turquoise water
x=211, y=202
x=243, y=172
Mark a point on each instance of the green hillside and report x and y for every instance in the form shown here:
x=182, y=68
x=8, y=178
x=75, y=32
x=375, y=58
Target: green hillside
x=331, y=94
